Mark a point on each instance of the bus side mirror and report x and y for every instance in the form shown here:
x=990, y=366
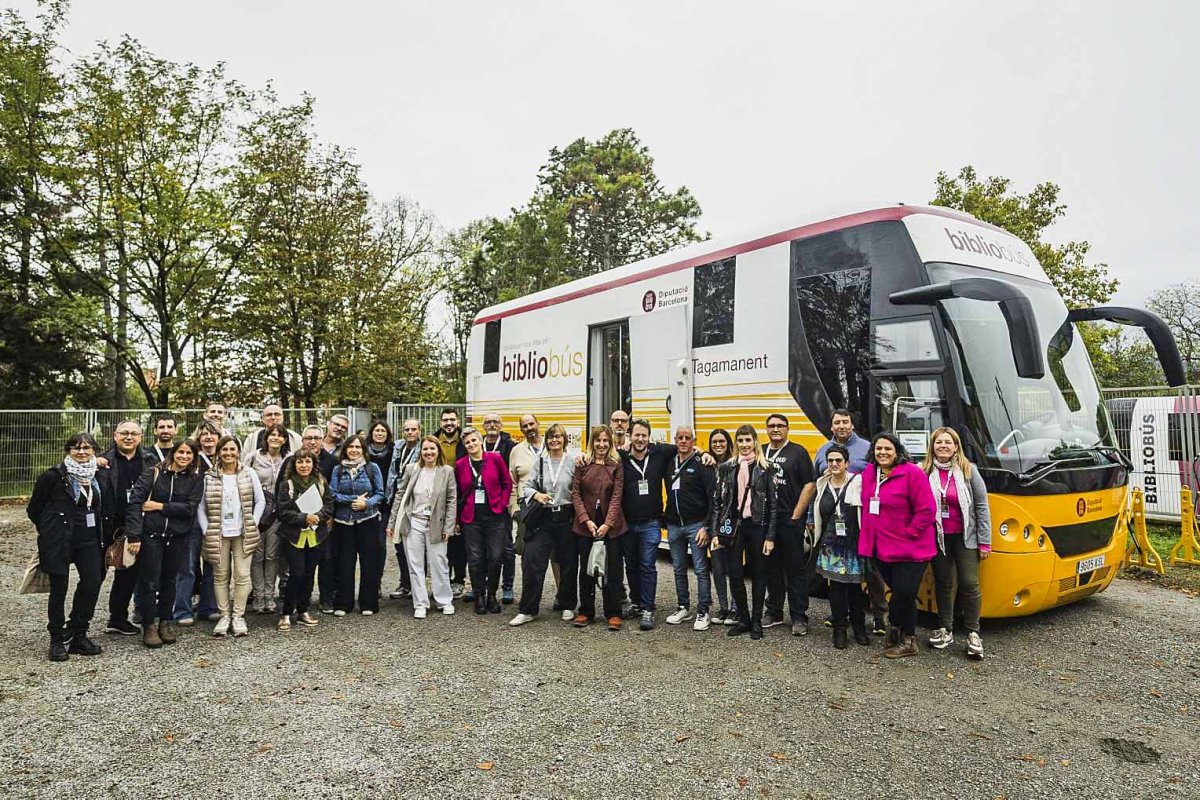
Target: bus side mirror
x=1014, y=305
x=1156, y=330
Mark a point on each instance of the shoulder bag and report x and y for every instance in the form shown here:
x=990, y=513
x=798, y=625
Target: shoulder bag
x=729, y=528
x=531, y=511
x=117, y=554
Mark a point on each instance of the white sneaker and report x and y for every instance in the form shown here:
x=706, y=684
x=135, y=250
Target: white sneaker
x=239, y=626
x=520, y=619
x=941, y=638
x=448, y=609
x=222, y=627
x=395, y=595
x=701, y=623
x=419, y=612
x=681, y=615
x=339, y=613
x=568, y=615
x=368, y=613
x=974, y=645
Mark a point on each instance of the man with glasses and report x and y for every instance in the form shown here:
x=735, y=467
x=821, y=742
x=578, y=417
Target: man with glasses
x=619, y=422
x=406, y=451
x=449, y=438
x=164, y=440
x=496, y=440
x=272, y=414
x=123, y=464
x=787, y=568
x=690, y=486
x=521, y=461
x=336, y=429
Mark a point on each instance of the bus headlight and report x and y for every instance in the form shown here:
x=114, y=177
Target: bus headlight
x=1016, y=599
x=1027, y=532
x=1042, y=540
x=1004, y=529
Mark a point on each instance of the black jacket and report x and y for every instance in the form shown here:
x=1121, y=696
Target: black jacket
x=503, y=446
x=692, y=501
x=122, y=474
x=764, y=509
x=292, y=520
x=179, y=492
x=52, y=510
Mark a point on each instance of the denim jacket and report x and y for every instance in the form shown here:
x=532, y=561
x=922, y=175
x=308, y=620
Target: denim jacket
x=368, y=480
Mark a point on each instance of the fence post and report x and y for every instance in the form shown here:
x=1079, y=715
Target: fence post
x=1141, y=552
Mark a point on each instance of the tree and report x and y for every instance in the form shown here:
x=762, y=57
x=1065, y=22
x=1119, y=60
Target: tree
x=1027, y=216
x=1179, y=306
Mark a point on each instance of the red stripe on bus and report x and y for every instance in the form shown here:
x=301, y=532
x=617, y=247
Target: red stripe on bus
x=804, y=231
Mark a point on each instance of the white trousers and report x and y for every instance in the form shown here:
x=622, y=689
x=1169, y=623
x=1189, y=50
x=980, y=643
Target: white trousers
x=418, y=549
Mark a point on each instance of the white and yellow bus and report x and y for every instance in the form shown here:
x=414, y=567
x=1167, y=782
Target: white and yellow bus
x=913, y=317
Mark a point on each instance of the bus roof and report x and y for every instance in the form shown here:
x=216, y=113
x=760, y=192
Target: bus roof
x=714, y=250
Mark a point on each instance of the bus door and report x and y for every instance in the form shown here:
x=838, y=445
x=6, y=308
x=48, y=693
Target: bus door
x=608, y=371
x=661, y=355
x=911, y=407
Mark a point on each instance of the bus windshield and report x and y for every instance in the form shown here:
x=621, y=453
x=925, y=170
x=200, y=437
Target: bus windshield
x=1019, y=424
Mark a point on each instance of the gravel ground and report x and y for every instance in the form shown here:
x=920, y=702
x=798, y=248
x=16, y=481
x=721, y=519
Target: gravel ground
x=1097, y=699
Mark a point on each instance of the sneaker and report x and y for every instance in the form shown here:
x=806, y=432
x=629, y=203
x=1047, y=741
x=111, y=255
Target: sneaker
x=212, y=616
x=260, y=608
x=339, y=613
x=941, y=638
x=285, y=623
x=469, y=595
x=738, y=628
x=506, y=597
x=719, y=616
x=974, y=645
x=581, y=621
x=419, y=612
x=271, y=607
x=221, y=629
x=647, y=623
x=326, y=608
x=769, y=620
x=307, y=619
x=122, y=627
x=81, y=645
x=800, y=628
x=58, y=650
x=614, y=623
x=185, y=622
x=448, y=609
x=368, y=612
x=879, y=626
x=907, y=646
x=701, y=623
x=520, y=619
x=631, y=611
x=456, y=589
x=239, y=626
x=681, y=614
x=731, y=619
x=396, y=595
x=568, y=615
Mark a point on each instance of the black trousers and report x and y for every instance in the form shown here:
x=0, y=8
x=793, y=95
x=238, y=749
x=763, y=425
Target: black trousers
x=540, y=543
x=846, y=604
x=631, y=556
x=485, y=551
x=123, y=584
x=904, y=579
x=456, y=554
x=508, y=571
x=302, y=566
x=402, y=562
x=567, y=549
x=327, y=571
x=611, y=591
x=88, y=558
x=358, y=545
x=787, y=573
x=747, y=545
x=160, y=558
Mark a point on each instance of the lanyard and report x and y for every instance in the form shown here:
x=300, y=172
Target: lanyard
x=494, y=449
x=408, y=454
x=158, y=450
x=86, y=491
x=207, y=460
x=770, y=454
x=477, y=482
x=837, y=497
x=642, y=467
x=556, y=473
x=537, y=451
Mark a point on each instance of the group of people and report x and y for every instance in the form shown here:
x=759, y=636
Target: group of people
x=213, y=524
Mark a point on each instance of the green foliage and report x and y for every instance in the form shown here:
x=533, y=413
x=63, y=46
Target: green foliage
x=1179, y=306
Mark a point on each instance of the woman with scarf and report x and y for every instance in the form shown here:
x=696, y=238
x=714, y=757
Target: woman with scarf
x=267, y=462
x=230, y=509
x=964, y=537
x=161, y=514
x=380, y=450
x=596, y=491
x=66, y=509
x=720, y=447
x=743, y=518
x=357, y=486
x=837, y=513
x=423, y=519
x=302, y=534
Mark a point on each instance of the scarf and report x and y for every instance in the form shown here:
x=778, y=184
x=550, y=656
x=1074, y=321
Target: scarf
x=353, y=465
x=745, y=464
x=302, y=483
x=80, y=474
x=964, y=497
x=378, y=450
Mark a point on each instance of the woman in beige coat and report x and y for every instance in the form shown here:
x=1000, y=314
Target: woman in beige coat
x=423, y=515
x=229, y=511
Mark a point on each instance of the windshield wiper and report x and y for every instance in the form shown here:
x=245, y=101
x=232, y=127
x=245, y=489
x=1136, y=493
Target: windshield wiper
x=1077, y=456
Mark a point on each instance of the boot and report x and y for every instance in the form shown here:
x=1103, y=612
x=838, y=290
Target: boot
x=740, y=627
x=58, y=648
x=81, y=645
x=166, y=632
x=860, y=633
x=492, y=606
x=756, y=629
x=839, y=637
x=480, y=606
x=893, y=637
x=150, y=636
x=907, y=646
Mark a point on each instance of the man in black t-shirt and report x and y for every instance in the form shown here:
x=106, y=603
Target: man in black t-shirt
x=645, y=466
x=787, y=569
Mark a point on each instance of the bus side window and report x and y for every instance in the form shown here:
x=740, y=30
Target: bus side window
x=491, y=346
x=712, y=313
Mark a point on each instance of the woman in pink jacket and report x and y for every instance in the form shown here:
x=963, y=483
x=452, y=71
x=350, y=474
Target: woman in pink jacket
x=898, y=533
x=484, y=489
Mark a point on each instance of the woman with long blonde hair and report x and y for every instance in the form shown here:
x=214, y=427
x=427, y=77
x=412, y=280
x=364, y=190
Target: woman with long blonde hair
x=964, y=537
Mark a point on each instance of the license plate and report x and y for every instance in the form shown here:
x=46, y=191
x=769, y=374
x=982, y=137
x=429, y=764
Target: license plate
x=1089, y=564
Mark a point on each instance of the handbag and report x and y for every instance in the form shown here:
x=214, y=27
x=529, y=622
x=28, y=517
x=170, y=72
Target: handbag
x=729, y=528
x=596, y=560
x=34, y=581
x=117, y=554
x=530, y=511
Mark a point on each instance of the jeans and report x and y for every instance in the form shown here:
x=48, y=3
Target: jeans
x=631, y=557
x=302, y=566
x=960, y=564
x=747, y=546
x=485, y=538
x=359, y=546
x=681, y=539
x=787, y=576
x=327, y=571
x=86, y=555
x=160, y=557
x=846, y=605
x=877, y=594
x=402, y=563
x=264, y=567
x=647, y=536
x=904, y=579
x=536, y=558
x=611, y=592
x=722, y=586
x=185, y=584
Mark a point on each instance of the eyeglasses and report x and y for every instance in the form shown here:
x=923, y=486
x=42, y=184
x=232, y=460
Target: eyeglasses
x=835, y=460
x=81, y=448
x=129, y=433
x=776, y=425
x=314, y=437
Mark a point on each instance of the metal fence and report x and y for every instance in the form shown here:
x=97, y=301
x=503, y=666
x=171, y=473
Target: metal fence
x=32, y=440
x=430, y=416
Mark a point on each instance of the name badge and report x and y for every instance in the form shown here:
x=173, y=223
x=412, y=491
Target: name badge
x=675, y=485
x=90, y=520
x=839, y=528
x=480, y=497
x=945, y=510
x=874, y=506
x=644, y=487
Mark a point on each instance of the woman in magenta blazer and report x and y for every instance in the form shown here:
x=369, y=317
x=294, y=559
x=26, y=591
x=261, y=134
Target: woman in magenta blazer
x=898, y=532
x=484, y=489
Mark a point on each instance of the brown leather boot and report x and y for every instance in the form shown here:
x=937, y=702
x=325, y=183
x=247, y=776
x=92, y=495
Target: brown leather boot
x=892, y=638
x=150, y=636
x=166, y=632
x=907, y=646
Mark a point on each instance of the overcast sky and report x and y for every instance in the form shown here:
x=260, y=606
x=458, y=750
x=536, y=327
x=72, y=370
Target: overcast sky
x=764, y=110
